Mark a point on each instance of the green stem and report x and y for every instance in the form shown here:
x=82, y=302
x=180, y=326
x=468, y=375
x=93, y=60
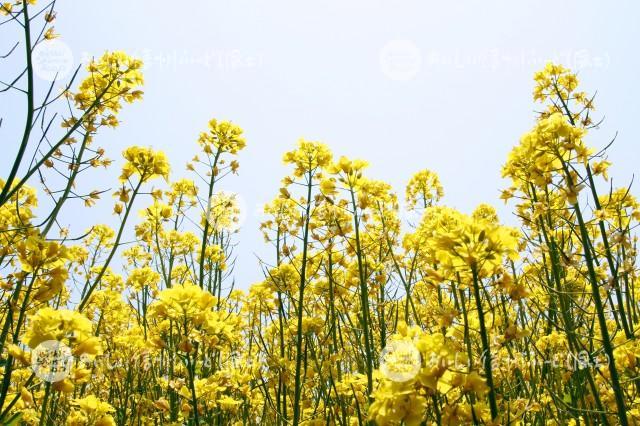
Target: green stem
x=116, y=243
x=70, y=182
x=364, y=299
x=30, y=108
x=205, y=232
x=602, y=322
x=486, y=350
x=45, y=401
x=303, y=272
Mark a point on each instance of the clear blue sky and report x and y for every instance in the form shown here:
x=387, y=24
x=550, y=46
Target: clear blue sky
x=404, y=84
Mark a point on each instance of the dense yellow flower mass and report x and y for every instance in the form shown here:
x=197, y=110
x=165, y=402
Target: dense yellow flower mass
x=361, y=317
x=223, y=136
x=90, y=411
x=308, y=157
x=62, y=325
x=423, y=190
x=112, y=79
x=145, y=163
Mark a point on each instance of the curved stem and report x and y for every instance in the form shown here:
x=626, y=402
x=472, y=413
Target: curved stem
x=86, y=296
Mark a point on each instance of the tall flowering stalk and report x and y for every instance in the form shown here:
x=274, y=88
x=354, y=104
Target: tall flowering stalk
x=308, y=159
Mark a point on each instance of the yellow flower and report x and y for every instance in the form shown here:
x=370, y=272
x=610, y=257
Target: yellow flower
x=141, y=278
x=145, y=163
x=113, y=78
x=224, y=136
x=328, y=187
x=224, y=212
x=50, y=34
x=554, y=79
x=396, y=404
x=182, y=301
x=64, y=386
x=470, y=242
x=228, y=404
x=37, y=254
x=471, y=382
x=5, y=8
x=423, y=190
x=308, y=157
x=349, y=171
x=63, y=325
x=47, y=261
x=90, y=411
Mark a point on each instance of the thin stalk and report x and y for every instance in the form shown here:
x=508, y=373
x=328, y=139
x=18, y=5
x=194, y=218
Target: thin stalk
x=364, y=299
x=30, y=107
x=486, y=350
x=303, y=278
x=116, y=243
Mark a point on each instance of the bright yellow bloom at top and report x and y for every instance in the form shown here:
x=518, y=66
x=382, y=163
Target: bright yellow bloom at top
x=113, y=78
x=144, y=162
x=424, y=189
x=472, y=243
x=486, y=212
x=308, y=157
x=349, y=171
x=140, y=278
x=539, y=156
x=554, y=78
x=224, y=136
x=281, y=216
x=183, y=301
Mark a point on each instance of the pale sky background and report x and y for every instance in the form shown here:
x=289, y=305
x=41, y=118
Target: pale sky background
x=403, y=84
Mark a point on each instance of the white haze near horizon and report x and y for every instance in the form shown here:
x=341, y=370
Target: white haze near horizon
x=403, y=84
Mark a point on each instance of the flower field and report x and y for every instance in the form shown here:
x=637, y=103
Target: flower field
x=361, y=317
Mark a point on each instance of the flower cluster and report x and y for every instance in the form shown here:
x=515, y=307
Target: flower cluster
x=144, y=162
